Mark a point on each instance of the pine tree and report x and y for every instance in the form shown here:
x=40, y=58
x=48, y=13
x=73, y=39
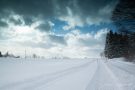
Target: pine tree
x=122, y=44
x=0, y=54
x=108, y=45
x=132, y=45
x=117, y=45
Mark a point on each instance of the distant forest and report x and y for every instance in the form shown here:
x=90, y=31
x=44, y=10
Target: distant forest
x=122, y=42
x=120, y=45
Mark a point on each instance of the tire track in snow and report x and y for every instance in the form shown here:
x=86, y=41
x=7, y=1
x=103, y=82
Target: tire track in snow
x=36, y=82
x=103, y=79
x=114, y=77
x=130, y=68
x=126, y=78
x=91, y=84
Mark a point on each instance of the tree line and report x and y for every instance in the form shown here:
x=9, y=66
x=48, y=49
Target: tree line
x=8, y=55
x=122, y=42
x=120, y=45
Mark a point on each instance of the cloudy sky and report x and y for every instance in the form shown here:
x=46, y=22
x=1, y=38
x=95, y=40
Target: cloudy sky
x=63, y=28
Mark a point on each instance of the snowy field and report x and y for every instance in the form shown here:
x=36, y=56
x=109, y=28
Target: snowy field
x=72, y=74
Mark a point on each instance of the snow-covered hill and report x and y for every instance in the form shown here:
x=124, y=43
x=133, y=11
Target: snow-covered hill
x=75, y=74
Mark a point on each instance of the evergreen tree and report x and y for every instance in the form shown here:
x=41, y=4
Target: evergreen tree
x=132, y=45
x=117, y=45
x=122, y=44
x=0, y=54
x=108, y=45
x=6, y=55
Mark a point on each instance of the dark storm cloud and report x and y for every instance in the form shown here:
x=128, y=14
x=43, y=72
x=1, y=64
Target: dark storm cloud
x=16, y=22
x=124, y=16
x=44, y=27
x=87, y=7
x=87, y=10
x=28, y=7
x=57, y=39
x=30, y=11
x=3, y=24
x=53, y=8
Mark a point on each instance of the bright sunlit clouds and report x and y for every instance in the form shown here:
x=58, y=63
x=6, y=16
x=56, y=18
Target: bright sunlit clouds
x=23, y=30
x=74, y=44
x=59, y=28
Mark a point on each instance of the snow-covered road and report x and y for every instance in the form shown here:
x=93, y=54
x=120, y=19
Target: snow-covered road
x=76, y=74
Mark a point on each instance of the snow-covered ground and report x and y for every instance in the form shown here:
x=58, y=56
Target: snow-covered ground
x=72, y=74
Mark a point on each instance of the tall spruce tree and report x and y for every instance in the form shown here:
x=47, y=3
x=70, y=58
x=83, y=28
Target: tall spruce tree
x=0, y=54
x=108, y=45
x=132, y=46
x=117, y=45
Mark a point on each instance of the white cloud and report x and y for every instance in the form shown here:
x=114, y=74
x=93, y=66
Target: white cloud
x=71, y=19
x=78, y=45
x=88, y=12
x=29, y=27
x=85, y=45
x=48, y=44
x=89, y=39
